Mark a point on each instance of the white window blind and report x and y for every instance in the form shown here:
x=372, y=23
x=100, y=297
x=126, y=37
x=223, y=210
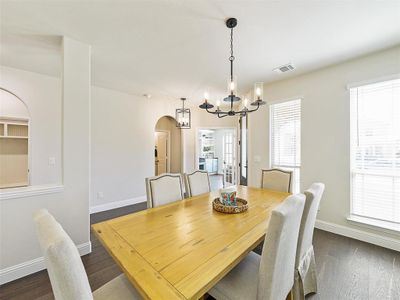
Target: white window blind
x=375, y=151
x=285, y=138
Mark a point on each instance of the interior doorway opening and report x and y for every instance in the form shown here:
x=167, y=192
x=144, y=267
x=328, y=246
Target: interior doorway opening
x=167, y=149
x=216, y=154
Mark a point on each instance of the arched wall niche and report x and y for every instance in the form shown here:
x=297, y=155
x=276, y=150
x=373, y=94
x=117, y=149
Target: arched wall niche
x=14, y=140
x=12, y=106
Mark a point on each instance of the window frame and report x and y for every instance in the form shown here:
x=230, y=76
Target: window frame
x=285, y=167
x=356, y=219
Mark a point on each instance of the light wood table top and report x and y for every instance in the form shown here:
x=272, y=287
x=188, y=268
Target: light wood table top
x=180, y=250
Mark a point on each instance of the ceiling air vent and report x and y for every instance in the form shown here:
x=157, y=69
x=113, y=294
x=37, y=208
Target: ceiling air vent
x=285, y=68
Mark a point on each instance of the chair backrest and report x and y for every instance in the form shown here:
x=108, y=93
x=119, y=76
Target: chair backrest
x=279, y=252
x=64, y=265
x=313, y=198
x=164, y=189
x=197, y=183
x=277, y=180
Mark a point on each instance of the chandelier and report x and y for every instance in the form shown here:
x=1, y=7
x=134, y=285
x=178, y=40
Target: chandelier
x=232, y=89
x=182, y=116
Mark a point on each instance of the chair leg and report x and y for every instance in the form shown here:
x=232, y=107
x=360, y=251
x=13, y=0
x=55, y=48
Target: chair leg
x=297, y=290
x=289, y=296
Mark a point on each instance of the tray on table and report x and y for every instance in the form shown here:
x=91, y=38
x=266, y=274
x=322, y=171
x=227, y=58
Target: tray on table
x=241, y=206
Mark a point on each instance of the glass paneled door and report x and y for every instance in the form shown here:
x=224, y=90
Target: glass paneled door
x=229, y=158
x=243, y=167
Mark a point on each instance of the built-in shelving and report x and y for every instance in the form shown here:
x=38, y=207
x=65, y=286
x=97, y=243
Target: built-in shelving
x=17, y=130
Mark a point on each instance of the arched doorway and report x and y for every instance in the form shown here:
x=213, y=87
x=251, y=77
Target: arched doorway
x=168, y=149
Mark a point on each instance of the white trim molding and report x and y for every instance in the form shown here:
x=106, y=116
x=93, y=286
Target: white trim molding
x=379, y=225
x=34, y=265
x=30, y=191
x=369, y=237
x=116, y=204
x=372, y=81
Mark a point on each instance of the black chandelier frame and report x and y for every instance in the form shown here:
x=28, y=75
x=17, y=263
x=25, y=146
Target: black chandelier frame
x=232, y=98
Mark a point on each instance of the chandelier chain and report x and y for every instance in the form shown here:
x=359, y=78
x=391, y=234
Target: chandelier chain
x=231, y=58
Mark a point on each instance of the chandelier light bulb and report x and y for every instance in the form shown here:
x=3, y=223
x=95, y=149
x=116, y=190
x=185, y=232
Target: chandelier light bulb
x=245, y=102
x=232, y=86
x=206, y=96
x=218, y=103
x=258, y=90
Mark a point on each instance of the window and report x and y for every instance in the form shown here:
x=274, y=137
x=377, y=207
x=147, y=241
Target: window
x=285, y=138
x=375, y=152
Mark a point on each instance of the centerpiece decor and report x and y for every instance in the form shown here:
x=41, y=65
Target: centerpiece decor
x=229, y=203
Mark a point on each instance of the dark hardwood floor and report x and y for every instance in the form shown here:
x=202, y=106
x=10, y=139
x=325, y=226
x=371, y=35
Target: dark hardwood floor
x=347, y=268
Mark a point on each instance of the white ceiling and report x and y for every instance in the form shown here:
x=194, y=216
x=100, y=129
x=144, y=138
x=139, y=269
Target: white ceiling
x=180, y=47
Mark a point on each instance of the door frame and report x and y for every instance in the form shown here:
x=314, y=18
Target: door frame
x=196, y=141
x=168, y=148
x=240, y=162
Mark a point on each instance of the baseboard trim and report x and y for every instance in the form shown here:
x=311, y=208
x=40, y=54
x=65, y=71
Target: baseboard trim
x=117, y=204
x=33, y=266
x=361, y=235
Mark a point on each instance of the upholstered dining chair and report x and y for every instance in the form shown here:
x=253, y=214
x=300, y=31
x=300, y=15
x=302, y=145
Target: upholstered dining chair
x=305, y=276
x=66, y=271
x=277, y=180
x=269, y=276
x=164, y=189
x=197, y=183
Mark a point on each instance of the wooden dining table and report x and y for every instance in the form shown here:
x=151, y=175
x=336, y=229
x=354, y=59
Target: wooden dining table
x=182, y=249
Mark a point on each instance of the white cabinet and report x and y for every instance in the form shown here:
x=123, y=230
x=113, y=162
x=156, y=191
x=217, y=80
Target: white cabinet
x=212, y=165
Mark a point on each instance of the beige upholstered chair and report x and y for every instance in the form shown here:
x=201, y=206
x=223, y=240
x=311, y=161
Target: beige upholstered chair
x=197, y=183
x=269, y=276
x=305, y=277
x=277, y=180
x=164, y=189
x=64, y=265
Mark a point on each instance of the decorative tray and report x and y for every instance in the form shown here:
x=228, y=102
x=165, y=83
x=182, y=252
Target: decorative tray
x=231, y=209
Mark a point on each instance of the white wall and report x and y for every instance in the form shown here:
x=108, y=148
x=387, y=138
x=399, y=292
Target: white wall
x=325, y=130
x=42, y=95
x=19, y=249
x=122, y=137
x=123, y=144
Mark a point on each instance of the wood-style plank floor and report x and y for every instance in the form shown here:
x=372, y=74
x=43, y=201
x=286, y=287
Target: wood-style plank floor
x=347, y=268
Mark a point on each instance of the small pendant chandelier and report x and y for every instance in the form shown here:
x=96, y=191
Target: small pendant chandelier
x=232, y=89
x=182, y=116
